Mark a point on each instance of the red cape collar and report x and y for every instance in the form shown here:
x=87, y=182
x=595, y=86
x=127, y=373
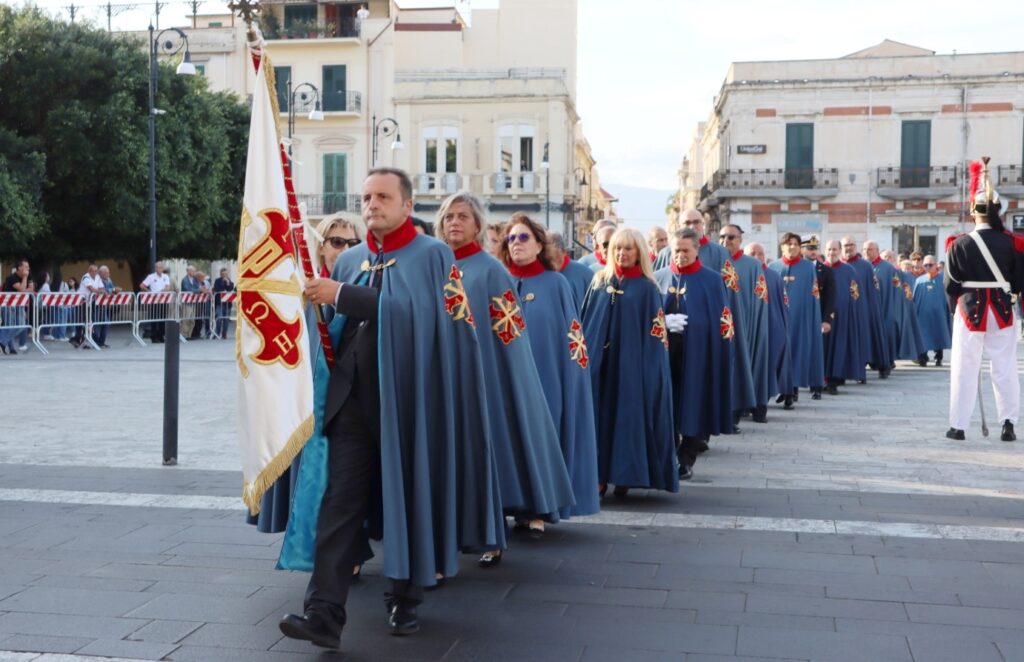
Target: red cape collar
x=852, y=259
x=876, y=261
x=630, y=272
x=398, y=238
x=738, y=255
x=600, y=258
x=691, y=268
x=704, y=240
x=789, y=263
x=525, y=271
x=324, y=273
x=834, y=264
x=472, y=248
x=653, y=257
x=565, y=263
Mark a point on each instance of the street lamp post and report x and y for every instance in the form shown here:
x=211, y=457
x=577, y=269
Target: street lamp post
x=186, y=68
x=545, y=165
x=316, y=114
x=171, y=348
x=385, y=127
x=581, y=182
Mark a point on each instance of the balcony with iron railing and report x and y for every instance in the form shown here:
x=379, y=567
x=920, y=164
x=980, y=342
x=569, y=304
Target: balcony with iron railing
x=1010, y=179
x=515, y=183
x=324, y=204
x=346, y=102
x=917, y=183
x=340, y=28
x=438, y=184
x=778, y=183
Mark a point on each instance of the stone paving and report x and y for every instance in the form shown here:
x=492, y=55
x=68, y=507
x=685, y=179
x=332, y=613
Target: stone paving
x=848, y=529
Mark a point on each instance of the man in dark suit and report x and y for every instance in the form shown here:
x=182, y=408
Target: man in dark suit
x=221, y=286
x=810, y=248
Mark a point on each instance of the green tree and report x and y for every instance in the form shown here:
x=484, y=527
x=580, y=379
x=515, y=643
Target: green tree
x=74, y=149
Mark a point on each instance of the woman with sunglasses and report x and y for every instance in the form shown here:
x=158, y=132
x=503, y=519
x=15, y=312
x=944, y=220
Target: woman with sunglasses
x=624, y=323
x=532, y=478
x=560, y=354
x=340, y=232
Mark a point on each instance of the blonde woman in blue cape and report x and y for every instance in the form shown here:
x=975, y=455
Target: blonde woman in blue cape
x=532, y=478
x=625, y=327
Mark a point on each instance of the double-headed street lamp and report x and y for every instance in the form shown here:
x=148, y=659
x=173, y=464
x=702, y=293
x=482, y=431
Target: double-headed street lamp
x=316, y=114
x=186, y=68
x=385, y=127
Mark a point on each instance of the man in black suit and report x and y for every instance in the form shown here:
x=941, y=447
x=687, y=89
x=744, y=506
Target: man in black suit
x=810, y=248
x=221, y=286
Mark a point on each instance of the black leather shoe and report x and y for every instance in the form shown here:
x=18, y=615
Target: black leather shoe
x=621, y=492
x=310, y=627
x=796, y=395
x=490, y=559
x=760, y=414
x=1008, y=433
x=816, y=395
x=702, y=446
x=685, y=472
x=922, y=360
x=402, y=619
x=781, y=397
x=788, y=402
x=953, y=433
x=832, y=389
x=938, y=363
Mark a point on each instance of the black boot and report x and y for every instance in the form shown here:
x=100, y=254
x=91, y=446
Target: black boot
x=788, y=402
x=1008, y=433
x=831, y=388
x=922, y=360
x=953, y=433
x=760, y=414
x=815, y=394
x=938, y=359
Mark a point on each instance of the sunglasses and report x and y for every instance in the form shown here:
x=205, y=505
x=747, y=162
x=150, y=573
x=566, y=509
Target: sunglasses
x=730, y=237
x=522, y=238
x=338, y=242
x=928, y=265
x=606, y=244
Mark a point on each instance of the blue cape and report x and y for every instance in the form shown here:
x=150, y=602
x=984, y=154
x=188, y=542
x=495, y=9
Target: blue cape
x=752, y=301
x=632, y=384
x=781, y=372
x=911, y=342
x=560, y=354
x=890, y=290
x=711, y=255
x=532, y=477
x=843, y=347
x=579, y=277
x=701, y=356
x=806, y=352
x=439, y=493
x=588, y=260
x=869, y=310
x=932, y=314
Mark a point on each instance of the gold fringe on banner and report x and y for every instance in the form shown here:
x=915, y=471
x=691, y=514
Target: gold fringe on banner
x=254, y=491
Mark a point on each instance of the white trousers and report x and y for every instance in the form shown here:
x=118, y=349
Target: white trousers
x=965, y=367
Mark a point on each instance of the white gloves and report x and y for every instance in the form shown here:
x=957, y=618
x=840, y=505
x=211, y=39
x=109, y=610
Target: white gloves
x=675, y=323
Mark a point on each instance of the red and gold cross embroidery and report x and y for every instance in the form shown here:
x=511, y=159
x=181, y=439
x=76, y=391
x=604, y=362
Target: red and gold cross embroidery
x=761, y=289
x=506, y=317
x=815, y=292
x=726, y=324
x=658, y=328
x=907, y=292
x=875, y=280
x=731, y=278
x=785, y=299
x=456, y=303
x=896, y=282
x=577, y=345
x=854, y=290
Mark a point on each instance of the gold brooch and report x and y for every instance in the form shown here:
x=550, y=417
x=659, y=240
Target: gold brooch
x=529, y=297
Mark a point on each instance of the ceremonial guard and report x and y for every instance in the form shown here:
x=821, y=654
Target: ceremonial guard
x=844, y=358
x=780, y=372
x=805, y=324
x=624, y=323
x=932, y=311
x=560, y=353
x=890, y=290
x=532, y=479
x=751, y=316
x=983, y=273
x=700, y=343
x=873, y=339
x=414, y=463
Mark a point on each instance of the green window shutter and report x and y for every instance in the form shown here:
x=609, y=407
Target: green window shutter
x=333, y=89
x=335, y=182
x=799, y=155
x=281, y=77
x=915, y=153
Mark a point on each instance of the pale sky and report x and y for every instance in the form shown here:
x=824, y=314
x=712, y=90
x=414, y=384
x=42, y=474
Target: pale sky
x=649, y=69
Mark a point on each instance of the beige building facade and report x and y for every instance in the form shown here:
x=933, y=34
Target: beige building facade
x=874, y=144
x=479, y=100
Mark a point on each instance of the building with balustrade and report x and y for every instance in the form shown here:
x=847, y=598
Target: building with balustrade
x=477, y=100
x=874, y=144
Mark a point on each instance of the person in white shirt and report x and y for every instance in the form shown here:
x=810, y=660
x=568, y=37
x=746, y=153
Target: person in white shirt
x=158, y=281
x=91, y=284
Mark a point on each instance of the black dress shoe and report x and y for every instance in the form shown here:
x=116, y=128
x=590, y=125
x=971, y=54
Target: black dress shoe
x=1008, y=433
x=685, y=472
x=702, y=446
x=796, y=395
x=832, y=389
x=621, y=491
x=402, y=619
x=490, y=559
x=760, y=414
x=816, y=395
x=938, y=363
x=781, y=397
x=953, y=433
x=788, y=402
x=310, y=627
x=923, y=361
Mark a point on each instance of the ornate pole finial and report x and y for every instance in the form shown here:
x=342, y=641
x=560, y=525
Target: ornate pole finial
x=247, y=9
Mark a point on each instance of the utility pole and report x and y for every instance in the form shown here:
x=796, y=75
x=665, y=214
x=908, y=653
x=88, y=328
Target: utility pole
x=195, y=10
x=72, y=10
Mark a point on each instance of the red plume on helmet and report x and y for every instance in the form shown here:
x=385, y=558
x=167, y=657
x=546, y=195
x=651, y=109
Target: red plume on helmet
x=975, y=181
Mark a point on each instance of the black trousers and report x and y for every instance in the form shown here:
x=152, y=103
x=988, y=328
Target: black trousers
x=688, y=450
x=353, y=468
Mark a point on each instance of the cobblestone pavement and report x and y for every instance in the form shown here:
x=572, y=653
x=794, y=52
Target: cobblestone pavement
x=848, y=529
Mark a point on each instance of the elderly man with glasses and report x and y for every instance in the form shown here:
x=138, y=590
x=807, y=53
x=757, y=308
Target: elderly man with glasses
x=750, y=316
x=932, y=312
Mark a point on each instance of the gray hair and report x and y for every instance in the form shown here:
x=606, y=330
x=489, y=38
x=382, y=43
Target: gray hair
x=687, y=233
x=475, y=205
x=556, y=241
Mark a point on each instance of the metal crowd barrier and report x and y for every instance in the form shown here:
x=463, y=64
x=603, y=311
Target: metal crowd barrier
x=225, y=311
x=65, y=310
x=154, y=308
x=14, y=315
x=196, y=307
x=111, y=310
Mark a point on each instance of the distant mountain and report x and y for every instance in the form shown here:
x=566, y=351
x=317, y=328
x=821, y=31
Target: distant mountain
x=641, y=208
